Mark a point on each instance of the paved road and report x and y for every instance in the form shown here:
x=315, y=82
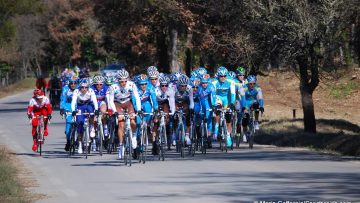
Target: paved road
x=264, y=173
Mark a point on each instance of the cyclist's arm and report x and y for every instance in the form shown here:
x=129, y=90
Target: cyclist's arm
x=74, y=100
x=93, y=99
x=241, y=93
x=137, y=97
x=172, y=101
x=153, y=100
x=213, y=96
x=191, y=98
x=111, y=100
x=30, y=107
x=232, y=93
x=259, y=97
x=48, y=106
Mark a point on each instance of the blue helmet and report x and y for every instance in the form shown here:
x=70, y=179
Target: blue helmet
x=142, y=79
x=84, y=82
x=72, y=79
x=232, y=74
x=175, y=76
x=194, y=73
x=251, y=78
x=205, y=78
x=201, y=71
x=222, y=71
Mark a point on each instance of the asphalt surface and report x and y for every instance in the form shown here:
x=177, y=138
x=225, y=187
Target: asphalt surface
x=265, y=173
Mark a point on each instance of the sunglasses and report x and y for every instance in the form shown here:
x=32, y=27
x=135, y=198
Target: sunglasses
x=153, y=79
x=72, y=83
x=251, y=83
x=98, y=84
x=83, y=87
x=222, y=76
x=241, y=75
x=195, y=87
x=164, y=85
x=143, y=84
x=183, y=85
x=123, y=81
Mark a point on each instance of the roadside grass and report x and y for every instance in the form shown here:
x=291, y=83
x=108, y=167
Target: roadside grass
x=17, y=87
x=343, y=89
x=333, y=135
x=11, y=189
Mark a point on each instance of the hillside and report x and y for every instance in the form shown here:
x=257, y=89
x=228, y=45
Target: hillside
x=337, y=111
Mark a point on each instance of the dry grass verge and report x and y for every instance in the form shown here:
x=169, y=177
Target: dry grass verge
x=17, y=87
x=333, y=135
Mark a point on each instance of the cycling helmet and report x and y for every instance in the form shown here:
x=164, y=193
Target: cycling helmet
x=72, y=79
x=175, y=76
x=240, y=71
x=38, y=93
x=222, y=71
x=84, y=82
x=195, y=82
x=201, y=71
x=251, y=78
x=123, y=74
x=231, y=74
x=193, y=74
x=153, y=74
x=98, y=79
x=183, y=80
x=152, y=69
x=108, y=80
x=164, y=80
x=142, y=79
x=135, y=78
x=162, y=75
x=205, y=78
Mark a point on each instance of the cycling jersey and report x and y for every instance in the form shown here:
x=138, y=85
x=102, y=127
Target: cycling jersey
x=100, y=94
x=225, y=92
x=167, y=96
x=86, y=98
x=185, y=96
x=207, y=98
x=124, y=94
x=253, y=95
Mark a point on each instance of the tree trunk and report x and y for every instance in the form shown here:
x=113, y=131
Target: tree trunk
x=308, y=83
x=162, y=53
x=174, y=66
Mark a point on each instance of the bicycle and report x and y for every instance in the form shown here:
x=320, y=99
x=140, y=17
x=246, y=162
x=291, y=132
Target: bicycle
x=180, y=132
x=193, y=136
x=238, y=137
x=144, y=141
x=223, y=129
x=73, y=137
x=203, y=131
x=100, y=134
x=112, y=128
x=251, y=127
x=233, y=128
x=86, y=136
x=39, y=132
x=161, y=140
x=128, y=138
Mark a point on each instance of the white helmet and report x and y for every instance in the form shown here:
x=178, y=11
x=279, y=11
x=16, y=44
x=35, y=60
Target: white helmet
x=164, y=80
x=98, y=79
x=183, y=80
x=153, y=74
x=123, y=74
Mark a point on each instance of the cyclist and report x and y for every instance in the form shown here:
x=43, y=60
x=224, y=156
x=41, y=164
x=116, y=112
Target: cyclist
x=225, y=92
x=147, y=97
x=184, y=99
x=166, y=102
x=54, y=87
x=101, y=92
x=65, y=106
x=254, y=100
x=84, y=101
x=240, y=97
x=174, y=78
x=153, y=75
x=207, y=97
x=39, y=105
x=41, y=83
x=124, y=96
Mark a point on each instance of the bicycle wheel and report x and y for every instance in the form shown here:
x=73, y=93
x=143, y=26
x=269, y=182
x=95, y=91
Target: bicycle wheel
x=100, y=139
x=181, y=142
x=86, y=142
x=202, y=141
x=111, y=140
x=233, y=130
x=162, y=142
x=143, y=144
x=39, y=139
x=72, y=139
x=128, y=148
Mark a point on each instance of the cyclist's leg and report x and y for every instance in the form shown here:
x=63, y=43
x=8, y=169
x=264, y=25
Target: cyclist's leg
x=44, y=112
x=121, y=127
x=34, y=123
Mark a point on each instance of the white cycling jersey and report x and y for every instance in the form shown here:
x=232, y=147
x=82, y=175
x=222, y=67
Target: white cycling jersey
x=162, y=97
x=121, y=95
x=37, y=104
x=83, y=98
